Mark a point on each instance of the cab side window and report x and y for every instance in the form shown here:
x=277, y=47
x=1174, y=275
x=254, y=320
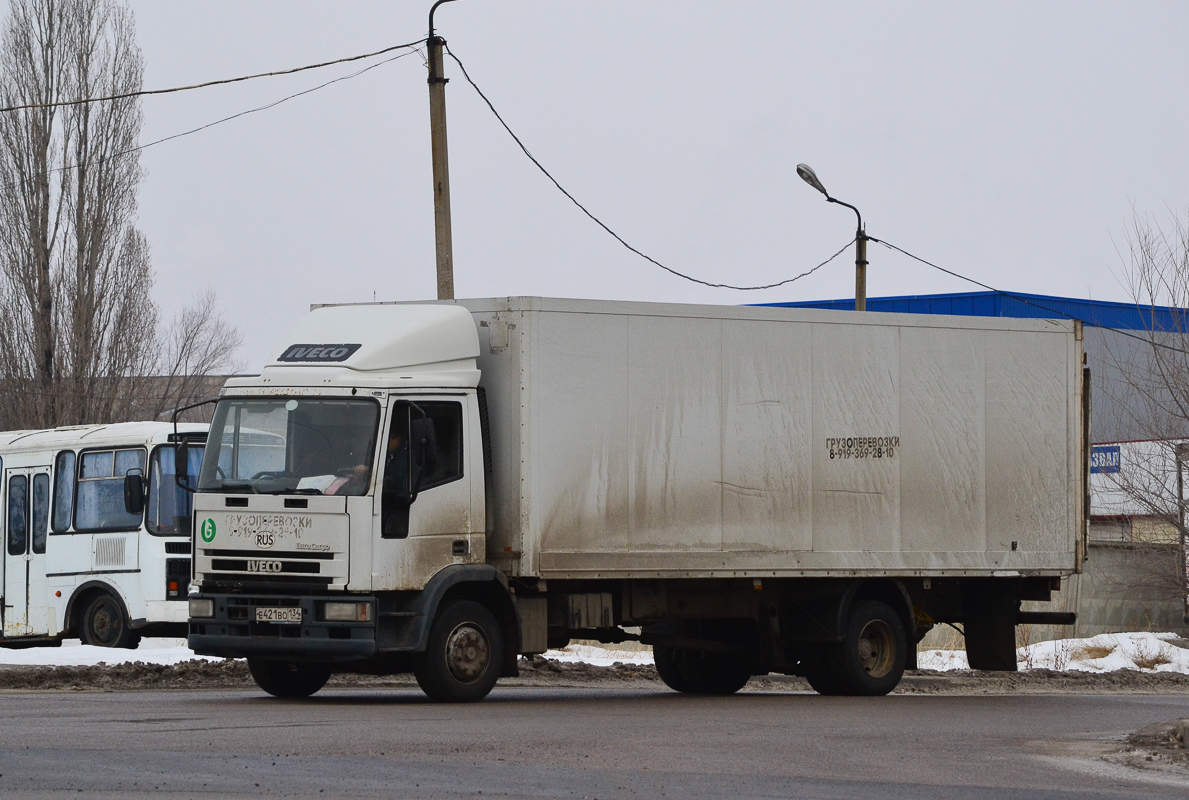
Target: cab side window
x=443, y=432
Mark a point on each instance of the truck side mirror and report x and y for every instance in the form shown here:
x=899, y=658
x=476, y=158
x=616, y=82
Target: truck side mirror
x=181, y=466
x=134, y=492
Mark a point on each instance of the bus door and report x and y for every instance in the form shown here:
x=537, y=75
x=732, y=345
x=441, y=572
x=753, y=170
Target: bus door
x=26, y=523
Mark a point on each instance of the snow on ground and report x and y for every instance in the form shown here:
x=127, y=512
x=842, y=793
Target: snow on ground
x=73, y=653
x=1146, y=652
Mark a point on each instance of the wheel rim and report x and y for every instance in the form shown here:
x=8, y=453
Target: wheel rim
x=105, y=625
x=467, y=652
x=877, y=648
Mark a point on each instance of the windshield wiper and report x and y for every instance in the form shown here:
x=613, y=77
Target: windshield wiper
x=307, y=490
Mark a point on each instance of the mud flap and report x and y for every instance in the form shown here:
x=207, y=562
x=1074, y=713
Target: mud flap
x=989, y=612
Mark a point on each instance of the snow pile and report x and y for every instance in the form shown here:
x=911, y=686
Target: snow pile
x=599, y=656
x=1107, y=652
x=73, y=653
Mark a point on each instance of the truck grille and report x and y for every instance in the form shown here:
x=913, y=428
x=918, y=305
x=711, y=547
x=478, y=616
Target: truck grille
x=247, y=567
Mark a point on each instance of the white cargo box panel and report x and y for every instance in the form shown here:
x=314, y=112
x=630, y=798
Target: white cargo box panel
x=657, y=440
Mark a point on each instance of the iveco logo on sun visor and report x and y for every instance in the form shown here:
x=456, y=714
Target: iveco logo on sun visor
x=318, y=352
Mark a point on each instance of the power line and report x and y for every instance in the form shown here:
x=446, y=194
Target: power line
x=605, y=227
x=273, y=104
x=146, y=92
x=1029, y=302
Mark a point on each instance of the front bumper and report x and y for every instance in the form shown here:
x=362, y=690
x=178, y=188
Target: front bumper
x=234, y=633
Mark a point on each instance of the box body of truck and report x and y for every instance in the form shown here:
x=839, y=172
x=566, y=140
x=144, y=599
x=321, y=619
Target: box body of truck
x=756, y=489
x=661, y=441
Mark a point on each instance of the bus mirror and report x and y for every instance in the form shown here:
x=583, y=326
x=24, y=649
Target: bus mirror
x=134, y=492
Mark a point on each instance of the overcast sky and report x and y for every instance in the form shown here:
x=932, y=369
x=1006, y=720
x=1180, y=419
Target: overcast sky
x=1011, y=142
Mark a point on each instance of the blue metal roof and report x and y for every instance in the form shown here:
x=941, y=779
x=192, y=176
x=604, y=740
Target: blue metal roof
x=1124, y=316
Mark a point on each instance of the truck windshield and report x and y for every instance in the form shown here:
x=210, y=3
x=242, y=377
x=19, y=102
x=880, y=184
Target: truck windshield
x=291, y=446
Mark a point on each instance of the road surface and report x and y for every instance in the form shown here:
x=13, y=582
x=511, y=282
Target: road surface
x=574, y=743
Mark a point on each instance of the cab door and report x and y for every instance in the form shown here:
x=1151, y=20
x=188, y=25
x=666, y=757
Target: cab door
x=423, y=493
x=26, y=525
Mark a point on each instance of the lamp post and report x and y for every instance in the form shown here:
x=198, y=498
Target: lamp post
x=809, y=176
x=443, y=242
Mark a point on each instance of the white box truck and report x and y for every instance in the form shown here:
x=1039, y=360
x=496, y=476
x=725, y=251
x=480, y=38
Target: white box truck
x=440, y=487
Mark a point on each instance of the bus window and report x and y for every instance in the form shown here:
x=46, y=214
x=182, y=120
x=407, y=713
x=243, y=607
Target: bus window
x=169, y=504
x=41, y=510
x=99, y=504
x=18, y=515
x=63, y=491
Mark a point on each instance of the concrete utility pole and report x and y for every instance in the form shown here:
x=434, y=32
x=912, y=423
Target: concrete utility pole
x=441, y=167
x=809, y=176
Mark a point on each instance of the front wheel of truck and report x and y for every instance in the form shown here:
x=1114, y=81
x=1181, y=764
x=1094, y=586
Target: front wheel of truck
x=462, y=661
x=288, y=679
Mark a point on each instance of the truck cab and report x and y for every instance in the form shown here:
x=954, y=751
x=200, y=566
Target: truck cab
x=337, y=487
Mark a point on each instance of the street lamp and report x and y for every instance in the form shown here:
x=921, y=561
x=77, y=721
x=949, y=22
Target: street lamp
x=809, y=176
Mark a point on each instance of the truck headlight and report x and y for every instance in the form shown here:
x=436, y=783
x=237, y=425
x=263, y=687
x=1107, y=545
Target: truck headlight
x=202, y=608
x=347, y=612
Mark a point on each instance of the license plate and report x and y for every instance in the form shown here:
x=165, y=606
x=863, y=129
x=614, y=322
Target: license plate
x=278, y=615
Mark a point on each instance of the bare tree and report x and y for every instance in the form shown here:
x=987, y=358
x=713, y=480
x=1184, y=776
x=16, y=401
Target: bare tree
x=1149, y=386
x=197, y=345
x=79, y=330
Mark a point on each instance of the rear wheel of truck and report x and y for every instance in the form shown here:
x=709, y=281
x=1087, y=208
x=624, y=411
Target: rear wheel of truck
x=462, y=661
x=700, y=672
x=104, y=624
x=668, y=667
x=870, y=659
x=714, y=673
x=820, y=670
x=287, y=678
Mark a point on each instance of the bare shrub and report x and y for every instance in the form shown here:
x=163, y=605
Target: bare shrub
x=1091, y=652
x=1146, y=657
x=1062, y=650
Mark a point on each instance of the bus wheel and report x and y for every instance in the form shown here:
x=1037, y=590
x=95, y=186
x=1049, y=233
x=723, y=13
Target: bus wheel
x=462, y=662
x=104, y=624
x=870, y=659
x=288, y=679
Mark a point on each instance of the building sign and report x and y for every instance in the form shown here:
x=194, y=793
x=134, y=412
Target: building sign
x=1105, y=458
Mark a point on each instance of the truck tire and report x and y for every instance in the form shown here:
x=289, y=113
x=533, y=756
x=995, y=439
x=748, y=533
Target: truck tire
x=714, y=673
x=462, y=661
x=820, y=671
x=288, y=679
x=870, y=658
x=668, y=667
x=104, y=624
x=698, y=672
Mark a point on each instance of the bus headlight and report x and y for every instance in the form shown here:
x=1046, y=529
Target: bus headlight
x=347, y=612
x=202, y=608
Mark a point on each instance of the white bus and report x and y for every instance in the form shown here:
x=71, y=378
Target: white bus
x=76, y=562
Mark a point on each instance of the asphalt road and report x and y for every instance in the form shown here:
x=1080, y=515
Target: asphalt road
x=574, y=743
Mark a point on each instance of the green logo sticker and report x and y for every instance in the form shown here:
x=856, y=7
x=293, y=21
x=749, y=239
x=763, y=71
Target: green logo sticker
x=208, y=530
